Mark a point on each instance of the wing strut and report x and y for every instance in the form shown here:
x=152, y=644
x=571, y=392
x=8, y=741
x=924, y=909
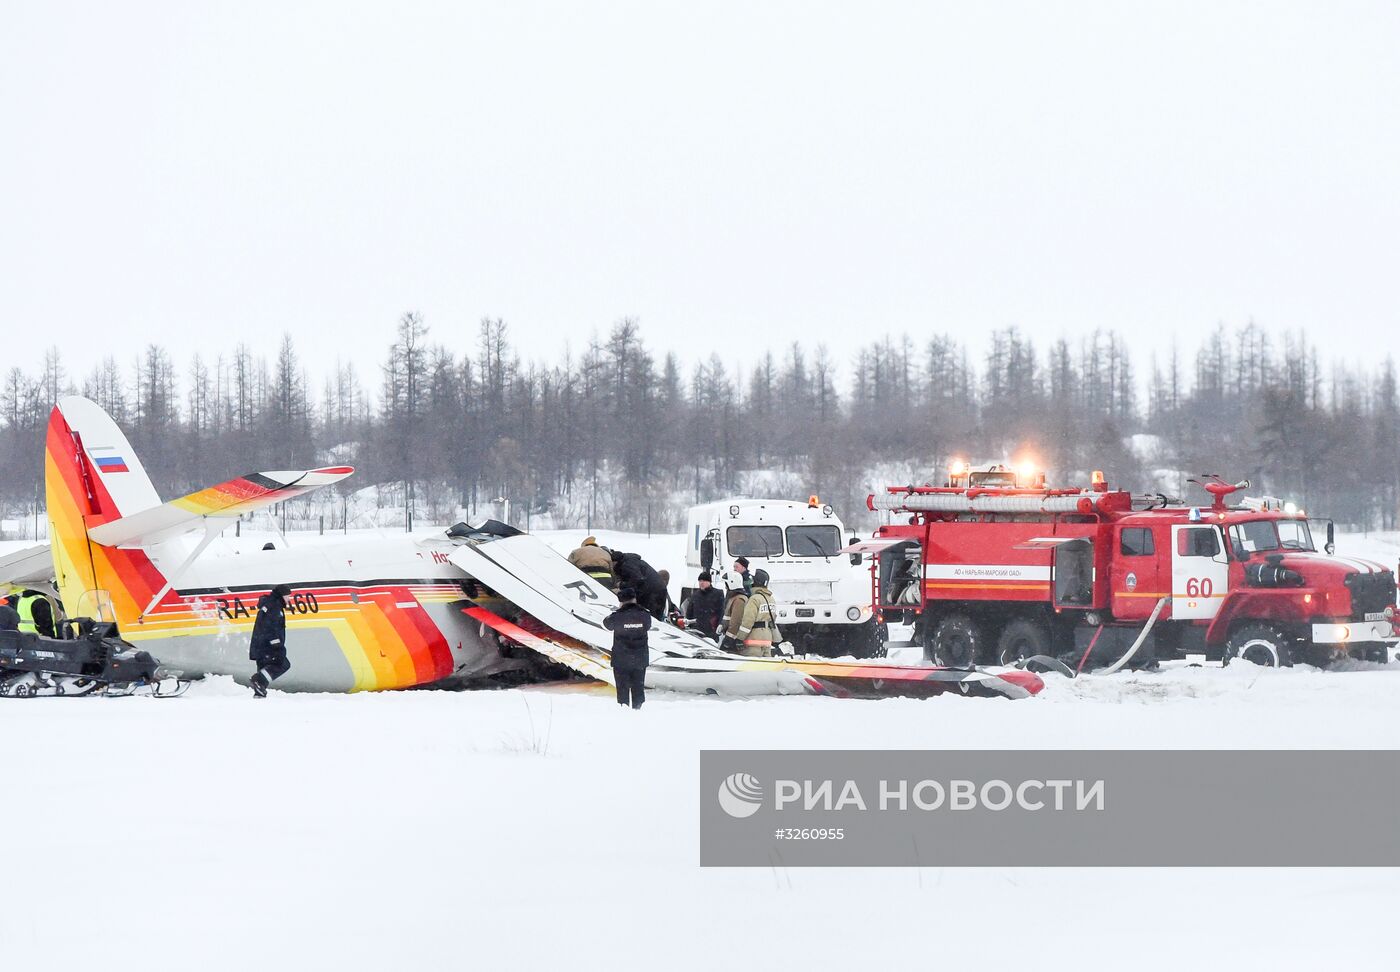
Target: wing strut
x=212, y=528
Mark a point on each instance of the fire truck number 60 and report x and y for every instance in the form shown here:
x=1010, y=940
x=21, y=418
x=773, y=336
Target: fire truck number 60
x=1199, y=587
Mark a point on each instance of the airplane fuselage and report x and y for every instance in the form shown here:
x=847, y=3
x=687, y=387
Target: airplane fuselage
x=365, y=613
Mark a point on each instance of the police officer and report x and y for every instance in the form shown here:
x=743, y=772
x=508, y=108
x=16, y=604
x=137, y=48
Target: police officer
x=706, y=606
x=630, y=655
x=35, y=614
x=269, y=646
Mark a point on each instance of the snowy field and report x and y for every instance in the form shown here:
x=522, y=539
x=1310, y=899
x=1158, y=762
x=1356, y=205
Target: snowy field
x=543, y=828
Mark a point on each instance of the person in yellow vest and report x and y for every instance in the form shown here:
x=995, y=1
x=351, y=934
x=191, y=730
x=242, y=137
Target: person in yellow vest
x=35, y=613
x=758, y=631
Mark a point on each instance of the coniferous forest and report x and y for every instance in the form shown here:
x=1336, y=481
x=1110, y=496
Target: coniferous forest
x=613, y=433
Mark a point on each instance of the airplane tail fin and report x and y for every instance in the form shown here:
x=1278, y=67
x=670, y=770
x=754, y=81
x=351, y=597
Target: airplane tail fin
x=92, y=476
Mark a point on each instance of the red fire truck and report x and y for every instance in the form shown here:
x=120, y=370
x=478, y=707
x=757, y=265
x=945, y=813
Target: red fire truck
x=994, y=567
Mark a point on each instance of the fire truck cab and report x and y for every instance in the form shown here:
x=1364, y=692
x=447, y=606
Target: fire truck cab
x=995, y=567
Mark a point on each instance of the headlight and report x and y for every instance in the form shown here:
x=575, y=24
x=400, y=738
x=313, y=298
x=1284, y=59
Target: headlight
x=1389, y=611
x=853, y=613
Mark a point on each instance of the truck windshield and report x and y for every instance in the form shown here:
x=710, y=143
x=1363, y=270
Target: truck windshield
x=813, y=541
x=1264, y=535
x=1295, y=535
x=754, y=541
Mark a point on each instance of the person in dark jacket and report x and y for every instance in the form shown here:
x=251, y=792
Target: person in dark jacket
x=650, y=590
x=630, y=654
x=269, y=646
x=9, y=617
x=706, y=606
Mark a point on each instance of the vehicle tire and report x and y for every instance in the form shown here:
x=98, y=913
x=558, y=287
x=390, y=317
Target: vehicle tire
x=1020, y=639
x=1260, y=644
x=957, y=641
x=870, y=640
x=858, y=641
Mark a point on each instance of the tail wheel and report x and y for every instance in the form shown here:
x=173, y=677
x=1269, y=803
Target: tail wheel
x=1260, y=644
x=957, y=641
x=1022, y=639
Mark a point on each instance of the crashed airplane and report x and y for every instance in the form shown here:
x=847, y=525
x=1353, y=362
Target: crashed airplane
x=369, y=613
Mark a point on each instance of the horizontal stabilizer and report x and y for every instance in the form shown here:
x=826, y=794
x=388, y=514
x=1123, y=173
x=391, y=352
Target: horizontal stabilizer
x=27, y=568
x=246, y=494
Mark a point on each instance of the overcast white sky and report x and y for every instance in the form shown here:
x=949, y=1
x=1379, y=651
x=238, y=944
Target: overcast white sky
x=198, y=173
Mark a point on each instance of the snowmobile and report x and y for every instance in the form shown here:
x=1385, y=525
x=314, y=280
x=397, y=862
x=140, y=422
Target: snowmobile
x=95, y=661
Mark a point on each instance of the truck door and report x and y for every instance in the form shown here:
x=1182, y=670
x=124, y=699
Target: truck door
x=1200, y=570
x=900, y=575
x=1135, y=576
x=1074, y=573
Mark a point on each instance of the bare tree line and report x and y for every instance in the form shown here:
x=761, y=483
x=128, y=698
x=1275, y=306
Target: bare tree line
x=616, y=434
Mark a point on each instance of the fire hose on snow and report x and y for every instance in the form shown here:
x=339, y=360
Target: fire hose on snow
x=1059, y=666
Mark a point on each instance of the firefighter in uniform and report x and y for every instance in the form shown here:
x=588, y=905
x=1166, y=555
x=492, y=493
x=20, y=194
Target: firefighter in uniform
x=268, y=649
x=630, y=654
x=758, y=630
x=595, y=561
x=734, y=602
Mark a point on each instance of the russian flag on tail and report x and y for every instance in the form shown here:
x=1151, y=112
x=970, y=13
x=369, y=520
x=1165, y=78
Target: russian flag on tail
x=111, y=464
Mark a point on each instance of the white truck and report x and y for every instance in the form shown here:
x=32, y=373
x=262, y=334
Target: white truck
x=822, y=596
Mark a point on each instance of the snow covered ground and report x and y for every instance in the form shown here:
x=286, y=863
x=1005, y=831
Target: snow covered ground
x=541, y=828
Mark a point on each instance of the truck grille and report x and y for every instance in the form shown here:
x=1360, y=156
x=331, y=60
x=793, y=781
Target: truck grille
x=801, y=591
x=1371, y=593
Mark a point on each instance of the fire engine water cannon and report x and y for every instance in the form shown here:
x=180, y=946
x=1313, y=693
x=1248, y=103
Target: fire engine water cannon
x=1219, y=489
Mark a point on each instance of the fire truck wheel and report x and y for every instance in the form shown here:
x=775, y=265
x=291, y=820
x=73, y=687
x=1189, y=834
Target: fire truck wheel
x=1022, y=639
x=1261, y=644
x=957, y=641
